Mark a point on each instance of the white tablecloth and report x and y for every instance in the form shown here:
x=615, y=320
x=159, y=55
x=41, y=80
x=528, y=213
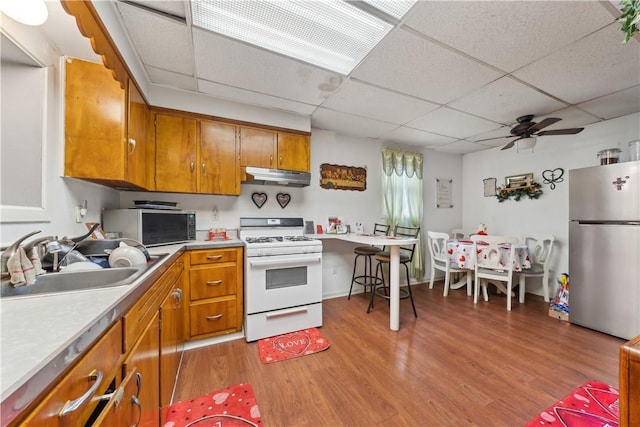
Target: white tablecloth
x=460, y=254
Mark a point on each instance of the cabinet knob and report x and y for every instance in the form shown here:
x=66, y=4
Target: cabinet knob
x=280, y=160
x=270, y=160
x=204, y=169
x=192, y=166
x=132, y=146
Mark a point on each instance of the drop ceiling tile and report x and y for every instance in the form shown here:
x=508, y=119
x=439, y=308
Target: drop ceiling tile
x=460, y=147
x=252, y=98
x=615, y=105
x=505, y=100
x=534, y=28
x=408, y=63
x=173, y=7
x=375, y=103
x=236, y=64
x=169, y=78
x=349, y=124
x=445, y=121
x=161, y=42
x=592, y=67
x=407, y=135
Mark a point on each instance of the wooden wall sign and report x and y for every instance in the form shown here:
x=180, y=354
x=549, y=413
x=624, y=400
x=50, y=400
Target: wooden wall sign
x=340, y=177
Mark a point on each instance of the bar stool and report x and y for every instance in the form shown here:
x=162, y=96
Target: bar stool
x=384, y=257
x=367, y=279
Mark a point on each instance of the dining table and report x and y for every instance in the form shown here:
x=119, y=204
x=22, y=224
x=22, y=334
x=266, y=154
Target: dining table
x=460, y=253
x=393, y=244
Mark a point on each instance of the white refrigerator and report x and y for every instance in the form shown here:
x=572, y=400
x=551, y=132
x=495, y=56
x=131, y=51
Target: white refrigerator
x=604, y=248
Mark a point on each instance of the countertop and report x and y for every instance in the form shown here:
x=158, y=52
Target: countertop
x=43, y=334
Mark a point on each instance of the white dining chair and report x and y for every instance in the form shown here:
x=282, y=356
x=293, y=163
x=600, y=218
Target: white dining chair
x=494, y=262
x=440, y=261
x=459, y=233
x=540, y=247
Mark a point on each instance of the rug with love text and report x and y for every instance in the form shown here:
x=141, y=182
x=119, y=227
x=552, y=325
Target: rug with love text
x=233, y=406
x=290, y=345
x=594, y=404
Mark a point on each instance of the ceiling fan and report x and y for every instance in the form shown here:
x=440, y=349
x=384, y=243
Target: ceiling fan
x=526, y=129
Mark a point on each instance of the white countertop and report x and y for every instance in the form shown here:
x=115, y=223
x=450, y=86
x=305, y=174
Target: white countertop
x=44, y=333
x=366, y=239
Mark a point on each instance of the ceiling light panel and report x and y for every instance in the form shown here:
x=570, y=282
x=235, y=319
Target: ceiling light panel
x=397, y=8
x=331, y=34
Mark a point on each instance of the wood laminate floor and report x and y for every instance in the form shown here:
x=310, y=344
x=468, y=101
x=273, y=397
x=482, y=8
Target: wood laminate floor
x=456, y=364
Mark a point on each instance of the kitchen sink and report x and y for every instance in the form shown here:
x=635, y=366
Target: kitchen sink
x=80, y=280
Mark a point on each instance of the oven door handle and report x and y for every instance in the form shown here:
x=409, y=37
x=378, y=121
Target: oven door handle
x=287, y=261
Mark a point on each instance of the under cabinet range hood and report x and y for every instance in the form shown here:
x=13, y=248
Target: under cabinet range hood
x=266, y=176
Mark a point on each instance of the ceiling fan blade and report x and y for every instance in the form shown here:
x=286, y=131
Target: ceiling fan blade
x=497, y=137
x=571, y=131
x=510, y=144
x=543, y=124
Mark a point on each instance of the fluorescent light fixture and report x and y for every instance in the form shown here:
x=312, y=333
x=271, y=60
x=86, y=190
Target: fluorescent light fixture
x=330, y=34
x=28, y=12
x=526, y=143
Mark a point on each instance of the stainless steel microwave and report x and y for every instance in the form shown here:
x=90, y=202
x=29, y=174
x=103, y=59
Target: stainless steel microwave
x=151, y=226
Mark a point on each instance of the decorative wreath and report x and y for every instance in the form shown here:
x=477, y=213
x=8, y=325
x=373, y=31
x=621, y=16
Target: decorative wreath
x=532, y=191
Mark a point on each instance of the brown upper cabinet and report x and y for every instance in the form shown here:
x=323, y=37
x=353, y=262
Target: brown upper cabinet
x=274, y=149
x=195, y=156
x=105, y=128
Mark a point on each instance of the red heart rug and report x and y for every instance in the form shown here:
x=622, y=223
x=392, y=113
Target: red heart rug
x=234, y=406
x=294, y=344
x=594, y=404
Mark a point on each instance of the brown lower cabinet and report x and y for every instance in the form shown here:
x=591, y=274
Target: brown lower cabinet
x=128, y=375
x=214, y=294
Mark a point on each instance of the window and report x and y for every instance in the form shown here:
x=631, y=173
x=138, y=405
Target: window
x=402, y=195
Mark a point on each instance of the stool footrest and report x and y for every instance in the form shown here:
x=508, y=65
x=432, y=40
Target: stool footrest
x=367, y=280
x=384, y=293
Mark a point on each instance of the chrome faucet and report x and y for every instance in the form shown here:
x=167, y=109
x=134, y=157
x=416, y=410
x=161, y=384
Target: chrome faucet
x=11, y=250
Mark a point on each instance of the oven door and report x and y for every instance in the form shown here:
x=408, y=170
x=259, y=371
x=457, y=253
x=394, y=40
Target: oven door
x=281, y=281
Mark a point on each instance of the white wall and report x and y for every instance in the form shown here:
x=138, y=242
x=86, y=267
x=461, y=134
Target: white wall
x=549, y=213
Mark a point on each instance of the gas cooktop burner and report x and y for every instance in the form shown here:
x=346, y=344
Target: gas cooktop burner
x=277, y=239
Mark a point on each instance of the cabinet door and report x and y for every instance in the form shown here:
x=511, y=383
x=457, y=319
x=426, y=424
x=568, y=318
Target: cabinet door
x=144, y=358
x=219, y=167
x=124, y=407
x=175, y=154
x=293, y=152
x=137, y=150
x=94, y=123
x=257, y=147
x=171, y=345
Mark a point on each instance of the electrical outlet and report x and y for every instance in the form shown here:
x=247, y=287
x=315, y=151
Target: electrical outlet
x=78, y=214
x=214, y=213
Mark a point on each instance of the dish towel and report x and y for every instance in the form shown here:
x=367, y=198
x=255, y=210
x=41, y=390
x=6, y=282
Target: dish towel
x=21, y=269
x=35, y=260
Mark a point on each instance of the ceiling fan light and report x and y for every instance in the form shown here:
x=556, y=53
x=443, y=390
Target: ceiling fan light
x=527, y=143
x=28, y=12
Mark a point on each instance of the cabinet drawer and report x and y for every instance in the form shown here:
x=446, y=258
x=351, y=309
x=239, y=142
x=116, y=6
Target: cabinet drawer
x=211, y=282
x=99, y=363
x=214, y=256
x=213, y=316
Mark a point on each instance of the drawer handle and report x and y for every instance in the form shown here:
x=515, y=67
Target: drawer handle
x=214, y=256
x=213, y=282
x=73, y=405
x=216, y=317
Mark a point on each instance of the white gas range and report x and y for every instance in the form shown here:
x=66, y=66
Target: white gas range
x=283, y=277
